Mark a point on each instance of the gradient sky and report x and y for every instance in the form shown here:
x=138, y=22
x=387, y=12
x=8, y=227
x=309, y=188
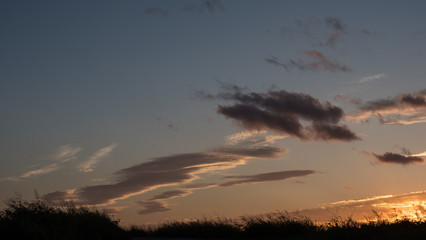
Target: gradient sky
x=162, y=110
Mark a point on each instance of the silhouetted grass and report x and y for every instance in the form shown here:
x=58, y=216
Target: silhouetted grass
x=38, y=220
x=286, y=226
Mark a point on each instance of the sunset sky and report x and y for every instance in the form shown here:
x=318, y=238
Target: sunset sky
x=164, y=110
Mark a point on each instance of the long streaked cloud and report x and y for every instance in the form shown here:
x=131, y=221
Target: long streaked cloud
x=266, y=177
x=165, y=171
x=89, y=165
x=158, y=203
x=388, y=207
x=283, y=112
x=313, y=61
x=64, y=154
x=407, y=108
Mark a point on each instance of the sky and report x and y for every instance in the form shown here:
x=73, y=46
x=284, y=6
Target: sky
x=170, y=110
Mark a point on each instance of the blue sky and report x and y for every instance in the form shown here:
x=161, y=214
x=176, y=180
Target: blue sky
x=151, y=109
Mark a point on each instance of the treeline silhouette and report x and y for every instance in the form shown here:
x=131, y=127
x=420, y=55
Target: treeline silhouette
x=38, y=220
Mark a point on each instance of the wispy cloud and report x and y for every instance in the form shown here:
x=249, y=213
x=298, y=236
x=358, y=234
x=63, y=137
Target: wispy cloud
x=90, y=164
x=41, y=171
x=407, y=108
x=314, y=61
x=167, y=171
x=283, y=112
x=372, y=77
x=64, y=154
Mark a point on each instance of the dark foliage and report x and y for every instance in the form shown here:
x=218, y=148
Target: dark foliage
x=37, y=220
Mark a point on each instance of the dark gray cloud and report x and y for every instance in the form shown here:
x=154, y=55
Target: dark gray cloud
x=200, y=6
x=283, y=112
x=163, y=171
x=157, y=11
x=335, y=23
x=396, y=158
x=326, y=31
x=314, y=61
x=266, y=177
x=407, y=108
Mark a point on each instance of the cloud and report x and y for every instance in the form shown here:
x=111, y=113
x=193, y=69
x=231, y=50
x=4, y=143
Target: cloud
x=266, y=177
x=64, y=154
x=89, y=165
x=335, y=23
x=209, y=5
x=157, y=11
x=371, y=78
x=347, y=99
x=318, y=31
x=152, y=207
x=252, y=137
x=41, y=171
x=388, y=207
x=404, y=158
x=158, y=203
x=389, y=157
x=166, y=171
x=283, y=112
x=314, y=61
x=407, y=108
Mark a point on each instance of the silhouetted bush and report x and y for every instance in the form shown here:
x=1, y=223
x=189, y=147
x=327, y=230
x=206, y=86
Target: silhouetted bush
x=37, y=220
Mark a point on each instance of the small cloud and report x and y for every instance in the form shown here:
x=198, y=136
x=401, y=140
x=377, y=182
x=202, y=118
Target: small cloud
x=342, y=98
x=89, y=165
x=172, y=127
x=209, y=5
x=366, y=31
x=396, y=158
x=335, y=23
x=314, y=61
x=371, y=78
x=407, y=108
x=349, y=189
x=157, y=11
